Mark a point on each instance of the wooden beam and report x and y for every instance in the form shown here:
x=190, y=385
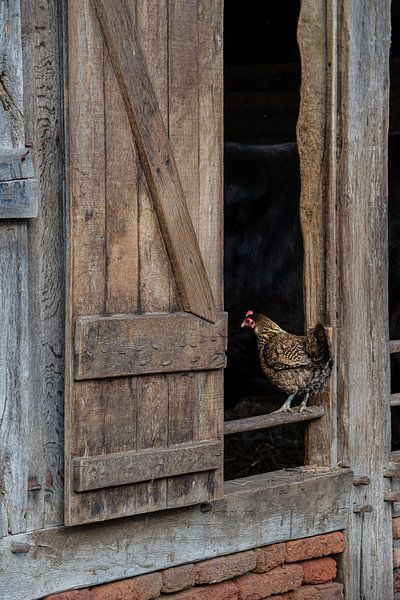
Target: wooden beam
x=394, y=346
x=95, y=472
x=273, y=420
x=150, y=343
x=18, y=199
x=363, y=320
x=314, y=502
x=16, y=163
x=157, y=158
x=14, y=324
x=315, y=135
x=394, y=400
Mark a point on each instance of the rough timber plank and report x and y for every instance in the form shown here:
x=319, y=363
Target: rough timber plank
x=157, y=158
x=273, y=420
x=153, y=343
x=96, y=472
x=194, y=63
x=18, y=199
x=313, y=139
x=16, y=163
x=363, y=371
x=394, y=346
x=14, y=337
x=42, y=37
x=60, y=559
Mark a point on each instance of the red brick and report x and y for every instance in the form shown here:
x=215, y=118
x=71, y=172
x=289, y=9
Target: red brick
x=225, y=567
x=72, y=595
x=319, y=570
x=325, y=591
x=396, y=528
x=255, y=586
x=143, y=587
x=331, y=591
x=314, y=547
x=270, y=557
x=220, y=591
x=178, y=578
x=396, y=582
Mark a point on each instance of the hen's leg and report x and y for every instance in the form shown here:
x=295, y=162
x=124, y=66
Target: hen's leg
x=303, y=405
x=286, y=405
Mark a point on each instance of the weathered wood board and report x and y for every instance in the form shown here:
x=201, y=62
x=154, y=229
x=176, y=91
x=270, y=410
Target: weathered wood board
x=14, y=338
x=281, y=506
x=363, y=335
x=144, y=236
x=153, y=343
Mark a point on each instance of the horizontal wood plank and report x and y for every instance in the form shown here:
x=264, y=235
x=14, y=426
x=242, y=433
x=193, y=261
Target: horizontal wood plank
x=394, y=399
x=18, y=199
x=256, y=511
x=157, y=158
x=16, y=163
x=150, y=343
x=95, y=472
x=273, y=420
x=394, y=346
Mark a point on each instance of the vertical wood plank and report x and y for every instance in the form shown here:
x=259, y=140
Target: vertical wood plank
x=86, y=219
x=313, y=138
x=14, y=332
x=363, y=336
x=42, y=35
x=151, y=19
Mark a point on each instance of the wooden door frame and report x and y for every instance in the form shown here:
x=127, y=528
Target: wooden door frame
x=342, y=138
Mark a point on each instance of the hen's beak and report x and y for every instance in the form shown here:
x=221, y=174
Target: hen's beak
x=247, y=322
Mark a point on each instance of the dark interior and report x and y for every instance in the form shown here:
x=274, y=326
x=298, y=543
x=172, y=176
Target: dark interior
x=263, y=244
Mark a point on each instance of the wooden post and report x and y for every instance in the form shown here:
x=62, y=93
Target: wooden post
x=363, y=336
x=315, y=139
x=14, y=358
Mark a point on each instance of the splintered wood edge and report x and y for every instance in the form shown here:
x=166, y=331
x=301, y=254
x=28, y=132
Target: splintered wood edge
x=273, y=420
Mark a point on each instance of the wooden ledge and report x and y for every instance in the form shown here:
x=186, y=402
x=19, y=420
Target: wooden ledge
x=256, y=511
x=273, y=420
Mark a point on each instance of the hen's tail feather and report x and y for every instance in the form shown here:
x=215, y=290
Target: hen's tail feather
x=318, y=345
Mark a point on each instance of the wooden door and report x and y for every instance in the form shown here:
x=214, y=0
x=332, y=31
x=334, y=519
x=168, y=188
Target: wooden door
x=146, y=337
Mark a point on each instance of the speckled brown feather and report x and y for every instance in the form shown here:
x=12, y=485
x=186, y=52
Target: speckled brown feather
x=294, y=364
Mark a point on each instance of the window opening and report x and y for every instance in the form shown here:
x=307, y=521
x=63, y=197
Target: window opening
x=263, y=243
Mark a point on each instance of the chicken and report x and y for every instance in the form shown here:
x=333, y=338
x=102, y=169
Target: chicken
x=296, y=365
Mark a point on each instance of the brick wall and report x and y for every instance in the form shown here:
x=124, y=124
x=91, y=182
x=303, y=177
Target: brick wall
x=396, y=556
x=303, y=569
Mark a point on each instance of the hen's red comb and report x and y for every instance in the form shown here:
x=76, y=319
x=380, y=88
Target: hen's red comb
x=249, y=313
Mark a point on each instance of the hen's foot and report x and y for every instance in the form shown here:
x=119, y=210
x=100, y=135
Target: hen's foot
x=286, y=405
x=303, y=405
x=283, y=409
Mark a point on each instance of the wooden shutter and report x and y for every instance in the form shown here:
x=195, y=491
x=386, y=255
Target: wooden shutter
x=146, y=337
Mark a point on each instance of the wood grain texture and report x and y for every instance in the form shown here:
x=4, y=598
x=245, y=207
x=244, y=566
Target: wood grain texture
x=363, y=371
x=121, y=468
x=315, y=502
x=16, y=163
x=394, y=346
x=18, y=199
x=12, y=133
x=157, y=158
x=141, y=344
x=314, y=135
x=273, y=420
x=115, y=234
x=14, y=332
x=43, y=38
